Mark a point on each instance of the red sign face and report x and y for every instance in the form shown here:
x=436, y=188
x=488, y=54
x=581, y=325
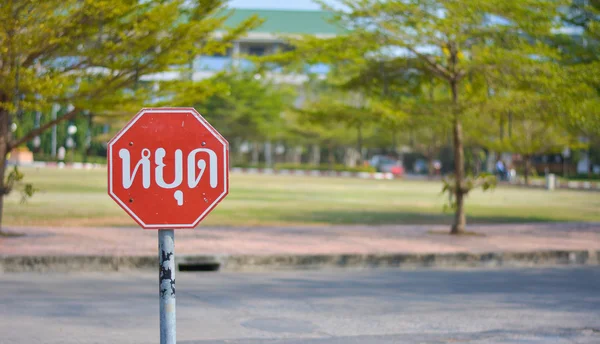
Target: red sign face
x=168, y=168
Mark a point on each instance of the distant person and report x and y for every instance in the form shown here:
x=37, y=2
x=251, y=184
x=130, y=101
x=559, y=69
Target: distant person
x=437, y=167
x=500, y=170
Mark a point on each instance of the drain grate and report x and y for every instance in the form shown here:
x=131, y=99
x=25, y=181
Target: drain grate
x=199, y=266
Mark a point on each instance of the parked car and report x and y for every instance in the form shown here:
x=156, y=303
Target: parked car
x=387, y=164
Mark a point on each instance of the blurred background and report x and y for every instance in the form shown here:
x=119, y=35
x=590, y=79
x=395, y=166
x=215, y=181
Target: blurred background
x=501, y=93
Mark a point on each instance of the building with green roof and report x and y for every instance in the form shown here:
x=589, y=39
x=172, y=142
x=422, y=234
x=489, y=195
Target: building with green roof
x=288, y=21
x=268, y=38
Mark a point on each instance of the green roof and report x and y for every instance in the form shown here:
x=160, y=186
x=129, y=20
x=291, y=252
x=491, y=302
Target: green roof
x=287, y=21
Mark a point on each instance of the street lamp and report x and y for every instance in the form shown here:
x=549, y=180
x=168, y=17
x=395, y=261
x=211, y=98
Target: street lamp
x=71, y=130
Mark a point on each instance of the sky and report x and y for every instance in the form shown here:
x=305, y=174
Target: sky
x=275, y=4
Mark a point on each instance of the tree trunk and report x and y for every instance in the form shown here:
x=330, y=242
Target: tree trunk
x=297, y=155
x=460, y=220
x=2, y=179
x=359, y=145
x=527, y=169
x=255, y=153
x=430, y=169
x=87, y=145
x=330, y=156
x=316, y=155
x=478, y=162
x=590, y=166
x=268, y=154
x=351, y=157
x=490, y=163
x=4, y=150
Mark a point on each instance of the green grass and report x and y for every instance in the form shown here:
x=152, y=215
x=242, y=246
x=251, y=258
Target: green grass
x=79, y=198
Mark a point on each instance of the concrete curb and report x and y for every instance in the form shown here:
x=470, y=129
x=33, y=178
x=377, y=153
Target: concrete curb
x=44, y=264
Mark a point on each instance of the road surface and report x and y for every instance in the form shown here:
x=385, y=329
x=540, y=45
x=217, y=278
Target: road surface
x=314, y=307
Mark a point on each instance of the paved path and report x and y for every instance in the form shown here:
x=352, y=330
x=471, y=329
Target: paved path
x=538, y=306
x=305, y=240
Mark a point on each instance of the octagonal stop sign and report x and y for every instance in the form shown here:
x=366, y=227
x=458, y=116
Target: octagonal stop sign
x=168, y=168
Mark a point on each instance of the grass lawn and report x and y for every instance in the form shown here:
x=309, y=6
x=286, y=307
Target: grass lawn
x=79, y=198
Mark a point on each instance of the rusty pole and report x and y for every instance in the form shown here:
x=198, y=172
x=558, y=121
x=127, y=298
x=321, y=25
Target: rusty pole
x=166, y=280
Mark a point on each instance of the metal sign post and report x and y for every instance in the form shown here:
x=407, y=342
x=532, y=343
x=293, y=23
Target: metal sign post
x=168, y=168
x=166, y=281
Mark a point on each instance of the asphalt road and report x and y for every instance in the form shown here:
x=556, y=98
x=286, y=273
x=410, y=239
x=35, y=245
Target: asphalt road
x=369, y=306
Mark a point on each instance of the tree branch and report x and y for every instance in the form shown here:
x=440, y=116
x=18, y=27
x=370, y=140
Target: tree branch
x=71, y=114
x=433, y=66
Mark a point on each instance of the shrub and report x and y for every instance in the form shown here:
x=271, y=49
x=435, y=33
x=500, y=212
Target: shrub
x=308, y=167
x=324, y=167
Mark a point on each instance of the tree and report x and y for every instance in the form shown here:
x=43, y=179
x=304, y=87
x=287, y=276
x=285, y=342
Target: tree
x=332, y=109
x=93, y=53
x=305, y=124
x=579, y=45
x=426, y=121
x=249, y=107
x=525, y=123
x=459, y=43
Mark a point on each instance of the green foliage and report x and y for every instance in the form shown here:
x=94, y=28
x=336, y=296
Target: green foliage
x=579, y=53
x=14, y=181
x=526, y=123
x=96, y=55
x=471, y=50
x=323, y=117
x=335, y=116
x=309, y=167
x=485, y=181
x=325, y=167
x=246, y=107
x=102, y=57
x=584, y=177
